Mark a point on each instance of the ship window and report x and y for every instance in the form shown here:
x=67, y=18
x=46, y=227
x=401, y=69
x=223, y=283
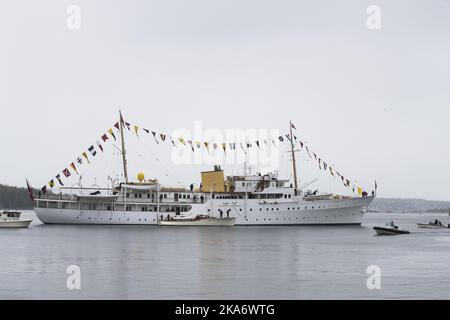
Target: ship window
x=128, y=208
x=289, y=196
x=165, y=196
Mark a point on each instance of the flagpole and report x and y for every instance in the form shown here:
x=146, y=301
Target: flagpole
x=124, y=151
x=293, y=159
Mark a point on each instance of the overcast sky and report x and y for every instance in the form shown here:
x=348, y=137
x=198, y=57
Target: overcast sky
x=375, y=103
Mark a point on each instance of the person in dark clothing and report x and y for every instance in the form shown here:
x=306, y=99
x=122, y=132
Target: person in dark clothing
x=192, y=187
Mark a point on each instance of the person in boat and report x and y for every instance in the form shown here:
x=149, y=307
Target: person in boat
x=392, y=224
x=192, y=187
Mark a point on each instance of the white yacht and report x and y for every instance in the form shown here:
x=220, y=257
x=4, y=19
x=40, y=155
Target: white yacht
x=11, y=219
x=249, y=199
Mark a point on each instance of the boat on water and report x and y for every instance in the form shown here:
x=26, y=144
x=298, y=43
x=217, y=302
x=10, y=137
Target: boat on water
x=11, y=219
x=389, y=230
x=247, y=199
x=436, y=224
x=198, y=220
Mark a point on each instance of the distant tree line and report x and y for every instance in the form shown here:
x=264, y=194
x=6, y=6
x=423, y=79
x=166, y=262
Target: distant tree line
x=15, y=198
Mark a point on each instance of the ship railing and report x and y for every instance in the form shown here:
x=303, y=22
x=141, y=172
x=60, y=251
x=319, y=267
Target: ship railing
x=53, y=196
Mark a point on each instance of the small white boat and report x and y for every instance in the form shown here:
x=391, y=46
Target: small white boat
x=11, y=219
x=433, y=225
x=390, y=230
x=198, y=220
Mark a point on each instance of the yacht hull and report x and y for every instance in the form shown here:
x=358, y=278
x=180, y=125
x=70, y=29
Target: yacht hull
x=327, y=212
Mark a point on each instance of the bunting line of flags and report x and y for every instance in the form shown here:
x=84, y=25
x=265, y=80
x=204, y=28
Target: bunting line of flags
x=111, y=135
x=325, y=166
x=85, y=157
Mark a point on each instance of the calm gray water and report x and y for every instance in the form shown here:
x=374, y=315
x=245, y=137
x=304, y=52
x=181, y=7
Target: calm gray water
x=125, y=262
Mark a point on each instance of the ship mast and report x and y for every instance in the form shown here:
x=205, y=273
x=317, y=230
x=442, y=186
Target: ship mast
x=124, y=151
x=294, y=165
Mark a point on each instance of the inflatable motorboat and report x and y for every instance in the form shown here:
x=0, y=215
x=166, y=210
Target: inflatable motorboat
x=390, y=230
x=436, y=224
